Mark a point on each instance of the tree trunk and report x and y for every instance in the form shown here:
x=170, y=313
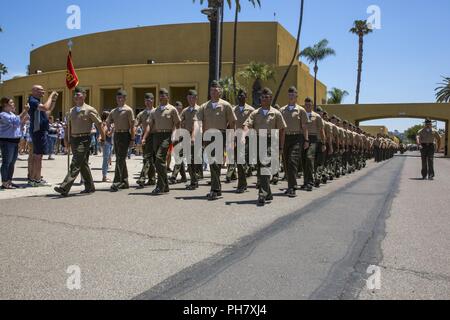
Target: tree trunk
x=360, y=62
x=297, y=45
x=316, y=69
x=221, y=38
x=236, y=16
x=256, y=93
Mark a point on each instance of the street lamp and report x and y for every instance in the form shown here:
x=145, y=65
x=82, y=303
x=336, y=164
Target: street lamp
x=214, y=13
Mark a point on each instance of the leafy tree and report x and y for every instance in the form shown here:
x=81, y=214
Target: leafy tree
x=411, y=133
x=257, y=72
x=336, y=96
x=228, y=87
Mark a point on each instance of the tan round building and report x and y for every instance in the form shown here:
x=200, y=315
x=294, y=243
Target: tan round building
x=145, y=59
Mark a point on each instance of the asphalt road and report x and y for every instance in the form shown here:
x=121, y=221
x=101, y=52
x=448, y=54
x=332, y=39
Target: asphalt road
x=310, y=254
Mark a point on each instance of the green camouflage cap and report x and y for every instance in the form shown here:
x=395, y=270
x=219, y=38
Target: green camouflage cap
x=79, y=90
x=192, y=93
x=121, y=93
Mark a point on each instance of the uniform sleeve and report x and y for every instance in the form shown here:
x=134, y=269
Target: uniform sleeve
x=138, y=120
x=303, y=118
x=131, y=117
x=319, y=123
x=95, y=118
x=419, y=134
x=250, y=120
x=231, y=117
x=201, y=113
x=176, y=117
x=183, y=115
x=150, y=118
x=195, y=116
x=280, y=123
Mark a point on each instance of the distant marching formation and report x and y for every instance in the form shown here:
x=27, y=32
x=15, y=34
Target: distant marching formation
x=313, y=144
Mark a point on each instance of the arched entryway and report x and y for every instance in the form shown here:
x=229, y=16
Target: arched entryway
x=365, y=112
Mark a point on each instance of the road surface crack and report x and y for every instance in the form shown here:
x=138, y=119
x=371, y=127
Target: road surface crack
x=124, y=231
x=422, y=274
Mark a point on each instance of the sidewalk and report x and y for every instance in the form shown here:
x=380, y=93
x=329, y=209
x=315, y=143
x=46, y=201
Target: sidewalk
x=54, y=172
x=415, y=252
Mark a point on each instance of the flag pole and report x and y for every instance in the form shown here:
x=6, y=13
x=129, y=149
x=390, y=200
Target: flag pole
x=70, y=44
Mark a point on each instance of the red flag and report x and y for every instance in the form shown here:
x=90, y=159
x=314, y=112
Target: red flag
x=71, y=75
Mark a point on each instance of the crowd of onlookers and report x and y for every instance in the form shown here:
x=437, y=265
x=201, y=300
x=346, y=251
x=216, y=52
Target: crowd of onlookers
x=55, y=138
x=16, y=139
x=56, y=143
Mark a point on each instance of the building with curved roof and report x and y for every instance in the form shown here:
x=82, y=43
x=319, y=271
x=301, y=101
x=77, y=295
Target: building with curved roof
x=145, y=59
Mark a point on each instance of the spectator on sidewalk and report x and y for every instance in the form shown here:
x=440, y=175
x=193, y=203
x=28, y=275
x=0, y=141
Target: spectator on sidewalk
x=52, y=137
x=107, y=147
x=10, y=133
x=39, y=126
x=61, y=133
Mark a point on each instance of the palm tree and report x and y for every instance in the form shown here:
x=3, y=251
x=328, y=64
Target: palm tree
x=443, y=92
x=257, y=72
x=336, y=96
x=361, y=29
x=315, y=54
x=236, y=18
x=228, y=87
x=3, y=70
x=297, y=45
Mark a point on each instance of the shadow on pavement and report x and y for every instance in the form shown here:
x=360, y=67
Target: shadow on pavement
x=202, y=198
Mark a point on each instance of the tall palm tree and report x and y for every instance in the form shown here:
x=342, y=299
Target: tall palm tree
x=315, y=54
x=336, y=96
x=236, y=18
x=443, y=92
x=295, y=56
x=361, y=29
x=257, y=72
x=3, y=70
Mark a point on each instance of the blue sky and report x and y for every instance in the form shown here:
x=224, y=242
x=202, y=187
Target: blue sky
x=403, y=60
